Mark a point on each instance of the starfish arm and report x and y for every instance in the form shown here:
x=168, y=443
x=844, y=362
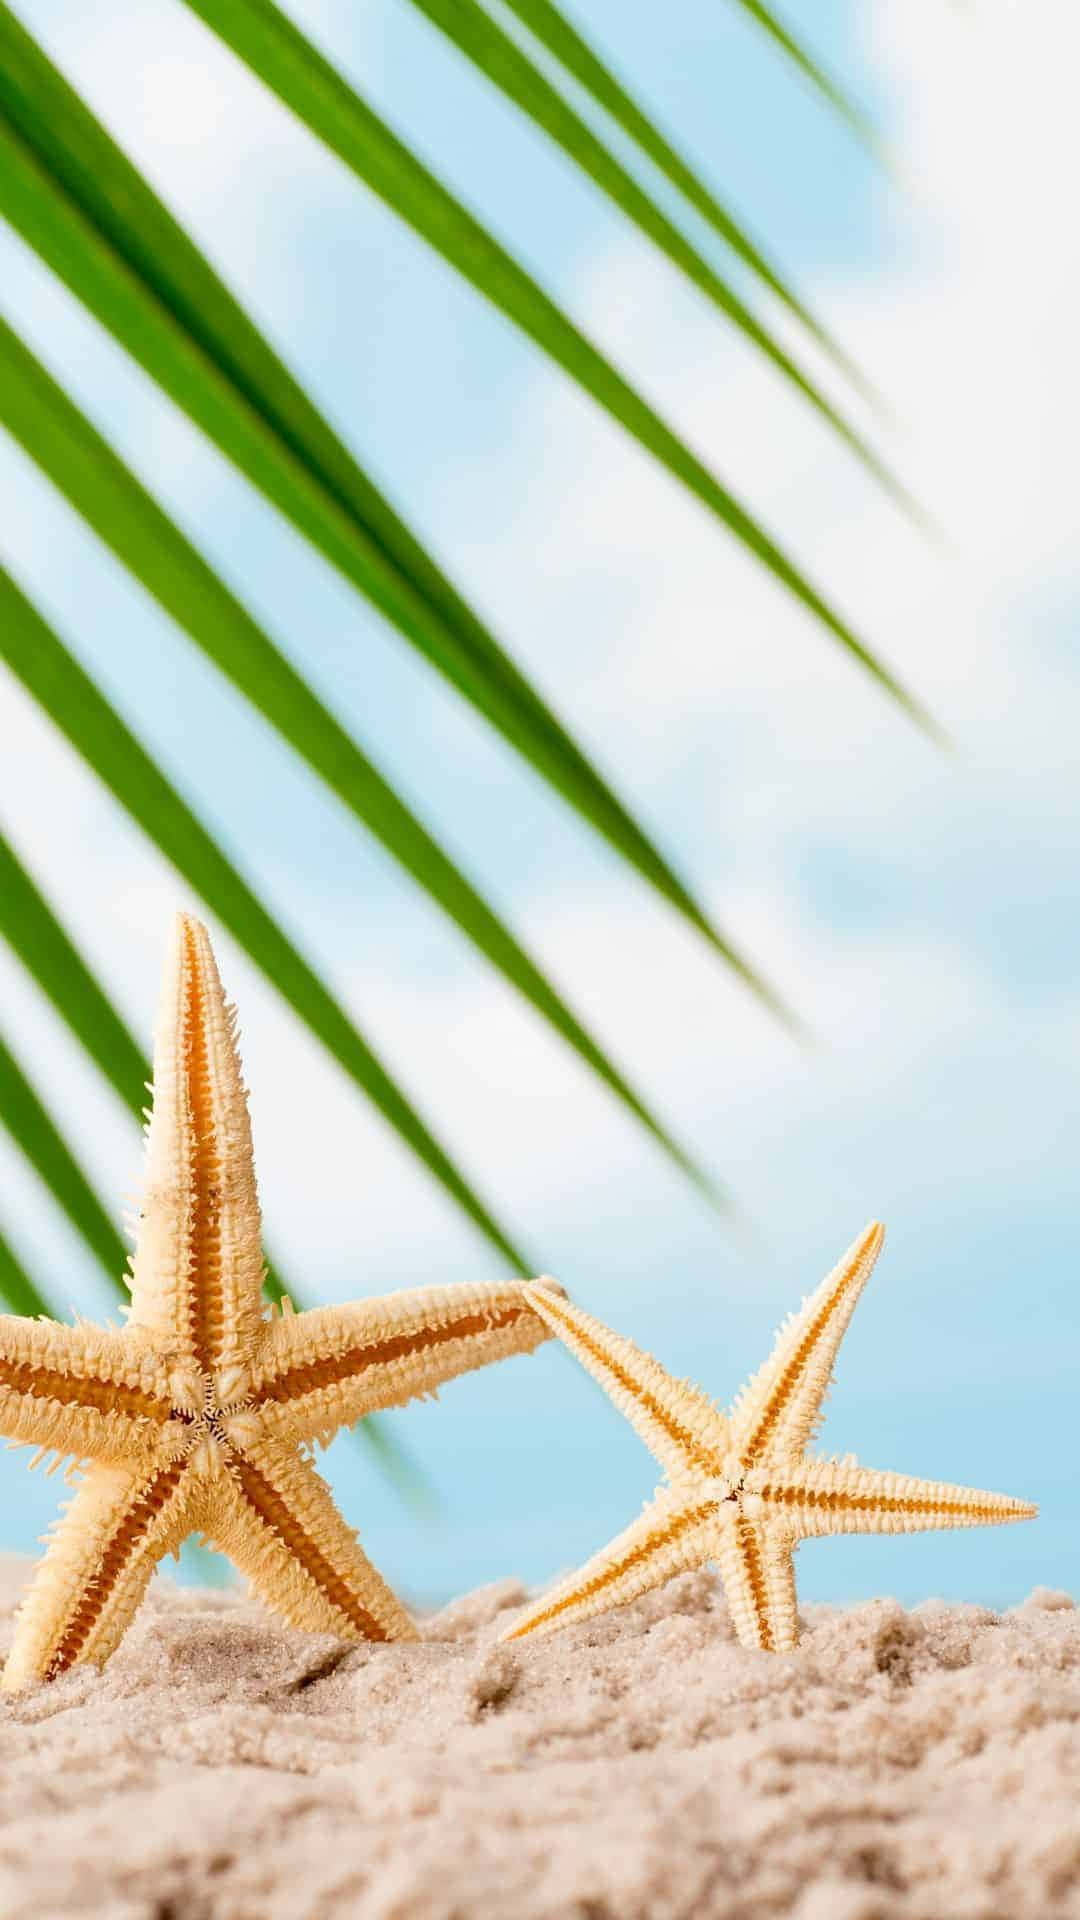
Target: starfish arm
x=100, y=1556
x=835, y=1496
x=197, y=1269
x=674, y=1534
x=275, y=1517
x=83, y=1390
x=777, y=1411
x=757, y=1568
x=678, y=1423
x=325, y=1369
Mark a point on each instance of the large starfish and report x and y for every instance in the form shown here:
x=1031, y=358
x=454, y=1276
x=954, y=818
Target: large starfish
x=743, y=1490
x=193, y=1416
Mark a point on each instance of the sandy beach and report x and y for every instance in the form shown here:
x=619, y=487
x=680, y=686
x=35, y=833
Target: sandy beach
x=899, y=1766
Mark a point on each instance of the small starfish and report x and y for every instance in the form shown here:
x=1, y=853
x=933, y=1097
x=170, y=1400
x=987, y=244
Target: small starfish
x=743, y=1490
x=194, y=1416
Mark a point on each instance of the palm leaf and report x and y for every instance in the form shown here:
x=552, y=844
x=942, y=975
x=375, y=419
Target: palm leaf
x=77, y=707
x=69, y=190
x=555, y=32
x=16, y=1286
x=37, y=1136
x=477, y=35
x=73, y=195
x=129, y=520
x=55, y=964
x=811, y=69
x=305, y=82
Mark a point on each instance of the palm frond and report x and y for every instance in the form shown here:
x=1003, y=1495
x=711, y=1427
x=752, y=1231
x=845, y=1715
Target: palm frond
x=260, y=34
x=78, y=201
x=53, y=677
x=54, y=963
x=24, y=1115
x=555, y=31
x=476, y=34
x=823, y=83
x=17, y=1290
x=70, y=191
x=98, y=484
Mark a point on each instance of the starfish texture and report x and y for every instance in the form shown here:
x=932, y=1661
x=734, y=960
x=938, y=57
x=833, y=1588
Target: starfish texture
x=743, y=1491
x=199, y=1416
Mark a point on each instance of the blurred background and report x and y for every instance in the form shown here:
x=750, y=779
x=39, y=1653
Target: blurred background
x=916, y=906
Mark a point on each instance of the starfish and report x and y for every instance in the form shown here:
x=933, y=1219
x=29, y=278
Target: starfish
x=201, y=1413
x=743, y=1491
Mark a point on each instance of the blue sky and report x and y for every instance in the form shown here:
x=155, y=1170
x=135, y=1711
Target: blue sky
x=920, y=909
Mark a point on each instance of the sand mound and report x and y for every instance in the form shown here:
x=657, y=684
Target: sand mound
x=643, y=1767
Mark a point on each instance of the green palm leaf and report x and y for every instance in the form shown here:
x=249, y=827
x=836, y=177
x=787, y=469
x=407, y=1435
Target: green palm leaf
x=291, y=67
x=129, y=520
x=16, y=1287
x=466, y=24
x=67, y=188
x=73, y=195
x=555, y=32
x=77, y=707
x=37, y=1136
x=54, y=963
x=829, y=89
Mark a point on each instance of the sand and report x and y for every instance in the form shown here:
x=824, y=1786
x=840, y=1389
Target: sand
x=643, y=1767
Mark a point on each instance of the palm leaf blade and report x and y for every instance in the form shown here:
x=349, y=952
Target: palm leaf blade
x=129, y=520
x=16, y=1287
x=53, y=961
x=39, y=1139
x=477, y=35
x=260, y=34
x=55, y=680
x=74, y=197
x=829, y=89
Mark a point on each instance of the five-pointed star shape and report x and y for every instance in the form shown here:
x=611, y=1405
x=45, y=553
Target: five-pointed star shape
x=743, y=1490
x=193, y=1417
